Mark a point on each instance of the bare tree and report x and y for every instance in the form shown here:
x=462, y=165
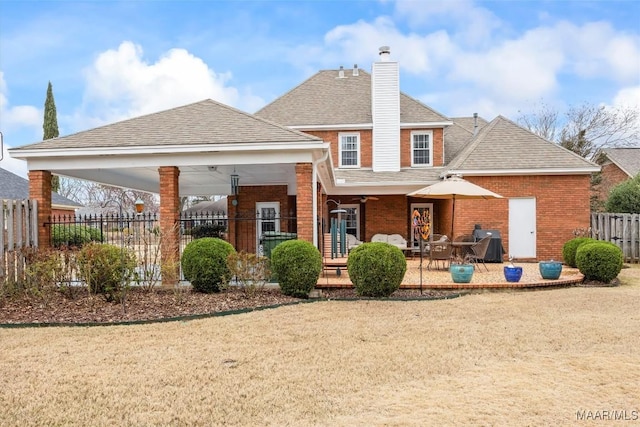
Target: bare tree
x=586, y=129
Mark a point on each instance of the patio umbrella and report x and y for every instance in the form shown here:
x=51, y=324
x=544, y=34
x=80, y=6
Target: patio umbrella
x=454, y=188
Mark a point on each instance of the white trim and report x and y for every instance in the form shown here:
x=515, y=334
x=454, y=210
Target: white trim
x=23, y=153
x=358, y=152
x=425, y=125
x=430, y=148
x=344, y=126
x=503, y=172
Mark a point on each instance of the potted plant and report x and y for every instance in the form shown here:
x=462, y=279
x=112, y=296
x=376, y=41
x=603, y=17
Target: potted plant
x=512, y=273
x=461, y=270
x=550, y=269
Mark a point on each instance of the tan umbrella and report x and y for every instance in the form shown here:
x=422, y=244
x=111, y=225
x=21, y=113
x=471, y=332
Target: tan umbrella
x=454, y=188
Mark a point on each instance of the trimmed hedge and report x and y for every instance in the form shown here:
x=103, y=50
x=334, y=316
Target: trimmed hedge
x=570, y=247
x=204, y=264
x=297, y=265
x=74, y=235
x=601, y=261
x=376, y=269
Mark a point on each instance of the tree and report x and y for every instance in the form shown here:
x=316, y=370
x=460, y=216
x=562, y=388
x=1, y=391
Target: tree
x=50, y=127
x=586, y=129
x=625, y=197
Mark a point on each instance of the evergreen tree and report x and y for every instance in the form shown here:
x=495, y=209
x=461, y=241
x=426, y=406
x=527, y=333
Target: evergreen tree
x=50, y=127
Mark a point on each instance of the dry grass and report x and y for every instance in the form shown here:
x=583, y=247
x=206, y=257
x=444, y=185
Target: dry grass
x=507, y=358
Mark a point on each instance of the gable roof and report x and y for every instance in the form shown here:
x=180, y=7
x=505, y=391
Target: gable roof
x=627, y=159
x=15, y=187
x=503, y=147
x=458, y=135
x=325, y=99
x=204, y=122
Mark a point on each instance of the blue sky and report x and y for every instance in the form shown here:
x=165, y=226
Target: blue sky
x=111, y=60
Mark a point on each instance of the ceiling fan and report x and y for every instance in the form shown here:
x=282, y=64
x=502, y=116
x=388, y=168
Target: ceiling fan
x=363, y=199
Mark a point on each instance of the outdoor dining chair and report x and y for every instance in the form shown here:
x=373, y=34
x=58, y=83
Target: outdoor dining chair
x=440, y=250
x=479, y=251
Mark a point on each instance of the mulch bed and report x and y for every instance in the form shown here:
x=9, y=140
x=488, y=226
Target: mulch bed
x=158, y=304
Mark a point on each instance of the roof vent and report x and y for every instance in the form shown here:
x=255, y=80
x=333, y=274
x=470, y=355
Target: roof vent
x=385, y=51
x=475, y=124
x=341, y=72
x=356, y=72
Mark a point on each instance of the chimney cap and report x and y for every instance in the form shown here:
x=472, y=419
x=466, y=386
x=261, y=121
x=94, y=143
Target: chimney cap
x=384, y=49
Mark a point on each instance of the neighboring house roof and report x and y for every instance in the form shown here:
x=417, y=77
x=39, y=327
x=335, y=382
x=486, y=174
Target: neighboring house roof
x=325, y=99
x=202, y=123
x=627, y=159
x=503, y=147
x=15, y=187
x=215, y=207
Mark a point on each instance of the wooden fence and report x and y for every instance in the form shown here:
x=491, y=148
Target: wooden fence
x=621, y=229
x=18, y=230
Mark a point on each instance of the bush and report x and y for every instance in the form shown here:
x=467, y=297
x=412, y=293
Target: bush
x=200, y=231
x=297, y=264
x=625, y=197
x=106, y=269
x=601, y=261
x=250, y=271
x=376, y=269
x=204, y=264
x=570, y=247
x=73, y=235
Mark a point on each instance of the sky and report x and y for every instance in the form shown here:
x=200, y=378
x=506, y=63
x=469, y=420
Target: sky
x=113, y=60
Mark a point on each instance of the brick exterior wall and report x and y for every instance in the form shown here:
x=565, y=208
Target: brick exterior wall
x=611, y=175
x=169, y=220
x=40, y=190
x=242, y=234
x=405, y=146
x=304, y=199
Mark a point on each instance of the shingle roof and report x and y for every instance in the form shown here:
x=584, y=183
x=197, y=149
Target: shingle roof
x=215, y=207
x=406, y=176
x=457, y=136
x=17, y=188
x=204, y=122
x=627, y=159
x=326, y=99
x=502, y=144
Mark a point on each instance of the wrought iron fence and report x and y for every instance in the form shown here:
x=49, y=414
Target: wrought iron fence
x=141, y=234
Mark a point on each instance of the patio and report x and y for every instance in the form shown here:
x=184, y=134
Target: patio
x=441, y=279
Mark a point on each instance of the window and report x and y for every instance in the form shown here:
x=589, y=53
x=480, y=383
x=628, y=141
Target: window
x=349, y=150
x=421, y=151
x=352, y=219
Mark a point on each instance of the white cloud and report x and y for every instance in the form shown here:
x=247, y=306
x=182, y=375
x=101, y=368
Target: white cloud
x=19, y=116
x=121, y=84
x=628, y=97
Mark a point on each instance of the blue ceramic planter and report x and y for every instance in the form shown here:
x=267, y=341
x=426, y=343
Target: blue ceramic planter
x=550, y=269
x=461, y=273
x=512, y=273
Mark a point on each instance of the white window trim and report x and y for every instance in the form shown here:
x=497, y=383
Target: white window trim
x=357, y=212
x=357, y=135
x=422, y=132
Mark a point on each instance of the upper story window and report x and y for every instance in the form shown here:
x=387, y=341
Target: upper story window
x=349, y=150
x=422, y=148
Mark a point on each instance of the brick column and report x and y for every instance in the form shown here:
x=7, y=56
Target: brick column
x=40, y=190
x=170, y=223
x=304, y=198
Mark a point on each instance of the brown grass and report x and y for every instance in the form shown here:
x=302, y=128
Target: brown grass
x=495, y=358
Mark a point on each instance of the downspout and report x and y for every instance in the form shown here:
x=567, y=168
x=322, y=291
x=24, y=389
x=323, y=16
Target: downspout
x=314, y=195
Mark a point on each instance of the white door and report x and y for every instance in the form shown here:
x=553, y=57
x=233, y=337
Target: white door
x=352, y=219
x=522, y=228
x=268, y=219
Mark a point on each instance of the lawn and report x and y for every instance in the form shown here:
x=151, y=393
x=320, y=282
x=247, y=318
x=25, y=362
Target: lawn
x=544, y=357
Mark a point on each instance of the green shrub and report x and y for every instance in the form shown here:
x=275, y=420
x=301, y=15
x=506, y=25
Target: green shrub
x=376, y=269
x=601, y=261
x=570, y=247
x=200, y=231
x=73, y=235
x=204, y=264
x=106, y=269
x=297, y=264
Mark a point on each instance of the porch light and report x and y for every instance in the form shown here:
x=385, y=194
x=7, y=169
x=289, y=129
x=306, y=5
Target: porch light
x=235, y=183
x=139, y=205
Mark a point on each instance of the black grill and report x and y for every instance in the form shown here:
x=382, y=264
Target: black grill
x=495, y=251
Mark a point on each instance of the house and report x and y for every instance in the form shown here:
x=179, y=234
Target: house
x=14, y=187
x=347, y=138
x=618, y=165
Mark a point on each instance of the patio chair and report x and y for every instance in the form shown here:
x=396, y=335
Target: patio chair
x=463, y=251
x=479, y=252
x=440, y=250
